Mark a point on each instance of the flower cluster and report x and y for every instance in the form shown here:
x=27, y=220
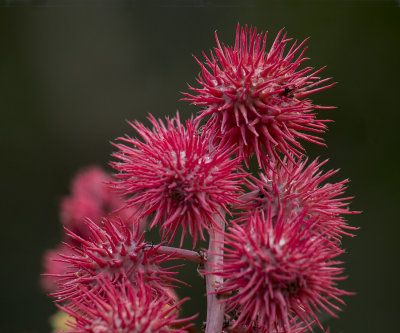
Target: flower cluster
x=176, y=174
x=299, y=187
x=91, y=198
x=121, y=308
x=271, y=267
x=276, y=270
x=112, y=251
x=255, y=99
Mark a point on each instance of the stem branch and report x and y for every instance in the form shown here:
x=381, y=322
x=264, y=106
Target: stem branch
x=181, y=253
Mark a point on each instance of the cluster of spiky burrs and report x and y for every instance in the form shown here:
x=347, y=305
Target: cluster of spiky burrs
x=272, y=267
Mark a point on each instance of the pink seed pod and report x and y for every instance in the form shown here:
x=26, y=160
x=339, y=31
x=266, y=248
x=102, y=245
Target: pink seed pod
x=113, y=251
x=255, y=99
x=91, y=197
x=278, y=271
x=176, y=175
x=299, y=186
x=122, y=308
x=53, y=267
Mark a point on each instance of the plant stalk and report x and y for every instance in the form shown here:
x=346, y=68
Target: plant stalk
x=215, y=310
x=181, y=253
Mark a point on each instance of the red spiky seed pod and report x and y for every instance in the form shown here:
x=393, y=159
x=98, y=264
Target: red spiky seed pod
x=299, y=186
x=122, y=308
x=255, y=99
x=278, y=272
x=177, y=175
x=113, y=251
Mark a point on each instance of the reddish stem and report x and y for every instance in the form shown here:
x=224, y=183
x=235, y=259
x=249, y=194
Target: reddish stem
x=215, y=309
x=181, y=253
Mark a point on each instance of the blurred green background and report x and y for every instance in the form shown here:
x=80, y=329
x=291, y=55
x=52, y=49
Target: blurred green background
x=72, y=72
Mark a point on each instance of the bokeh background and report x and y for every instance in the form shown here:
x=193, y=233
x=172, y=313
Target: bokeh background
x=72, y=72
